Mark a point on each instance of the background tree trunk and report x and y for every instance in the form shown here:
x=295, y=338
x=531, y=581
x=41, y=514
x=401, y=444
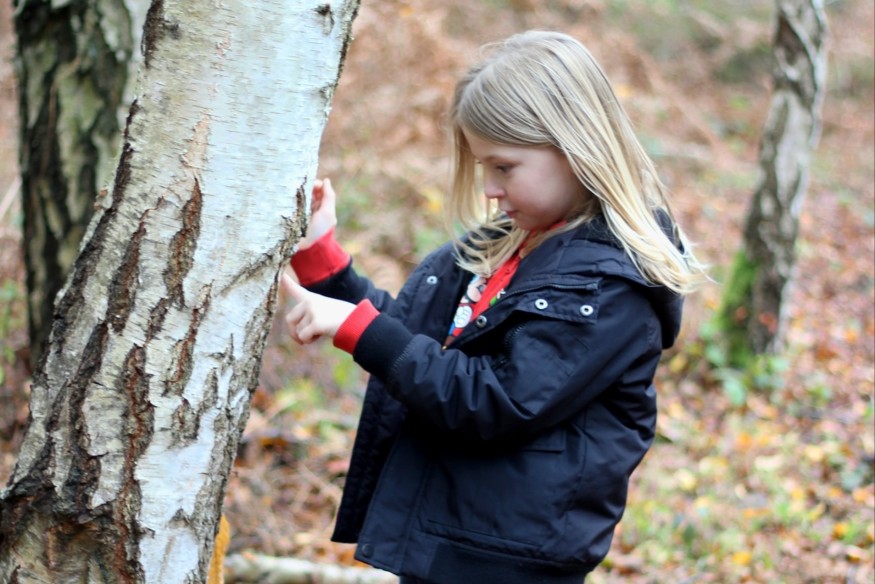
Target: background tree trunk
x=752, y=314
x=77, y=62
x=157, y=336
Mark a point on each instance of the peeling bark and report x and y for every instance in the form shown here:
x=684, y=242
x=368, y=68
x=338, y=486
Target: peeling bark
x=157, y=335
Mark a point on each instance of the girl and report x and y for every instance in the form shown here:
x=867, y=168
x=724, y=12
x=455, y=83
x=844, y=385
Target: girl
x=495, y=446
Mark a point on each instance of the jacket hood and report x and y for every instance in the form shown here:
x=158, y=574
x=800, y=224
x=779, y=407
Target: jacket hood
x=669, y=307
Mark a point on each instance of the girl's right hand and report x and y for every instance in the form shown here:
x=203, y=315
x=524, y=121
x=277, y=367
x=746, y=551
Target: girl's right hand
x=313, y=315
x=323, y=213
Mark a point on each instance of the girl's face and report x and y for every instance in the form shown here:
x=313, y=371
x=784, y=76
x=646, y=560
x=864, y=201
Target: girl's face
x=534, y=186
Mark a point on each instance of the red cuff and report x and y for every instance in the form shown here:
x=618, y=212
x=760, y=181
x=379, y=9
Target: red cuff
x=351, y=330
x=320, y=261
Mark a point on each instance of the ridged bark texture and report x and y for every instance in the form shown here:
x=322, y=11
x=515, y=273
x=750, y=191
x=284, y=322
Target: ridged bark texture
x=157, y=336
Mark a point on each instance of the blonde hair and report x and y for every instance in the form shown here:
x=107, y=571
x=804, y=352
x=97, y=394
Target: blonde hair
x=545, y=89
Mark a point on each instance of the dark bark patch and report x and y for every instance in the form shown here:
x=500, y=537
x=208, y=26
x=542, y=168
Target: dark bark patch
x=156, y=319
x=181, y=362
x=123, y=170
x=186, y=423
x=303, y=217
x=181, y=365
x=183, y=246
x=83, y=477
x=138, y=420
x=327, y=15
x=348, y=18
x=123, y=289
x=134, y=385
x=155, y=29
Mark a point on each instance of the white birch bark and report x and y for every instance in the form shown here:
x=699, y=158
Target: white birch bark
x=158, y=333
x=754, y=307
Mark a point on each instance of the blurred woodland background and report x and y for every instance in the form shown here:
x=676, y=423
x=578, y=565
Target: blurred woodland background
x=761, y=475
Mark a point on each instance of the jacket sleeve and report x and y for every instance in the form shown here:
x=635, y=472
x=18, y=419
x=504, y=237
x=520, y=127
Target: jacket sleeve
x=542, y=371
x=325, y=268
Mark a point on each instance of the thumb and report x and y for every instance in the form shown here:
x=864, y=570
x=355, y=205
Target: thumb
x=293, y=289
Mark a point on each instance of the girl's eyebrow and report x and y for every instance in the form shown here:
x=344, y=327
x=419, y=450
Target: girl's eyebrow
x=494, y=157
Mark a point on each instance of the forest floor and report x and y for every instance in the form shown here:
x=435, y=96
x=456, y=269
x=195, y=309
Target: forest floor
x=757, y=476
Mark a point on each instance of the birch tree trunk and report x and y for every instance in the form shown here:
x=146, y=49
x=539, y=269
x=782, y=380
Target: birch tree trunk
x=77, y=60
x=753, y=311
x=157, y=336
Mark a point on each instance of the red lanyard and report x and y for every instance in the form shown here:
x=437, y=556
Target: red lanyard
x=495, y=286
x=497, y=283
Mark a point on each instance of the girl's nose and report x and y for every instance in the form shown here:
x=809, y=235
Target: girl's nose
x=491, y=188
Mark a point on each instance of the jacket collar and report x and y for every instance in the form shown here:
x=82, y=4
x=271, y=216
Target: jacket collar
x=593, y=250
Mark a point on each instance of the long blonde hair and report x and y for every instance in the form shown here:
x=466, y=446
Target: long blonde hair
x=544, y=88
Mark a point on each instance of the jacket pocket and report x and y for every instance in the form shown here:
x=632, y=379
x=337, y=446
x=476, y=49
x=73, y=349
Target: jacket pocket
x=551, y=441
x=511, y=501
x=572, y=300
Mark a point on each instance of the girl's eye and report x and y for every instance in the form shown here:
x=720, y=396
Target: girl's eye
x=502, y=168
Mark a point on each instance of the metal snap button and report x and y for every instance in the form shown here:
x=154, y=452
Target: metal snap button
x=481, y=321
x=432, y=280
x=586, y=309
x=541, y=304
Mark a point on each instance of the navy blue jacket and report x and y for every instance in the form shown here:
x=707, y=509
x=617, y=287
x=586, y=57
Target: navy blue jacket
x=505, y=458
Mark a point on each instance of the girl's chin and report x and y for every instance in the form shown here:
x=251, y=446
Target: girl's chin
x=521, y=223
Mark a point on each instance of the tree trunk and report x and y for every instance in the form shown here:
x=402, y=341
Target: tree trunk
x=157, y=336
x=753, y=313
x=77, y=60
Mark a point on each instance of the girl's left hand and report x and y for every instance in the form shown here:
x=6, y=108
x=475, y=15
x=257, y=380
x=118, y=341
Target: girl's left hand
x=323, y=211
x=313, y=315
